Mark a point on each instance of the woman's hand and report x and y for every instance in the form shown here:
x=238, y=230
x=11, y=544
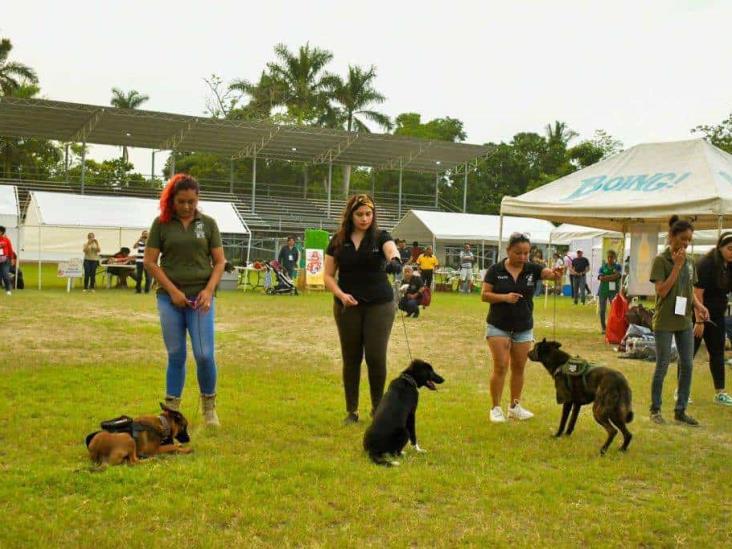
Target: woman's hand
x=698, y=330
x=179, y=299
x=348, y=300
x=203, y=300
x=702, y=313
x=512, y=297
x=679, y=257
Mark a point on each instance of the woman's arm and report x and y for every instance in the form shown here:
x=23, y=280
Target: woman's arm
x=331, y=284
x=203, y=299
x=391, y=251
x=150, y=262
x=664, y=287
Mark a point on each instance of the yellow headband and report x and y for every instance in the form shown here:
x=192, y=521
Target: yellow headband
x=364, y=200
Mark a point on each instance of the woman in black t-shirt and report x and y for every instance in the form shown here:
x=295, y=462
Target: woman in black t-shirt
x=509, y=287
x=364, y=308
x=714, y=271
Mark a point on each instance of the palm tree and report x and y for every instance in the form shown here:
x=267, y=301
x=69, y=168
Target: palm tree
x=264, y=96
x=559, y=134
x=13, y=74
x=129, y=100
x=353, y=98
x=301, y=80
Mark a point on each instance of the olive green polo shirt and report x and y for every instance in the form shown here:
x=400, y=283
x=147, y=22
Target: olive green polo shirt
x=664, y=318
x=185, y=254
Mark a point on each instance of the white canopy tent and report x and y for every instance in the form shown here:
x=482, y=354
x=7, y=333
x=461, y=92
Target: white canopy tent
x=645, y=184
x=642, y=186
x=446, y=228
x=56, y=224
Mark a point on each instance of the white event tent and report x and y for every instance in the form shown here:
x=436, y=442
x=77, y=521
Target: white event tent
x=447, y=228
x=644, y=185
x=638, y=189
x=56, y=224
x=10, y=212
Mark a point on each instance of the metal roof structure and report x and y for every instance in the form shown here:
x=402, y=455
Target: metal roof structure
x=76, y=122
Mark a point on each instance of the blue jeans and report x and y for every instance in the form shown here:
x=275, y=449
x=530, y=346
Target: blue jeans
x=174, y=322
x=685, y=346
x=603, y=308
x=5, y=274
x=579, y=288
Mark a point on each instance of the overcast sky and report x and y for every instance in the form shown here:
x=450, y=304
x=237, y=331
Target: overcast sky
x=641, y=70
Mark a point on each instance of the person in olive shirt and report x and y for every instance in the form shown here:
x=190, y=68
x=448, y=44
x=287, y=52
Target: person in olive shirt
x=91, y=261
x=715, y=282
x=509, y=287
x=191, y=264
x=674, y=275
x=609, y=277
x=364, y=308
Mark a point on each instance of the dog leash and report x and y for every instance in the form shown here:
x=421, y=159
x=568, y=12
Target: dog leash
x=404, y=324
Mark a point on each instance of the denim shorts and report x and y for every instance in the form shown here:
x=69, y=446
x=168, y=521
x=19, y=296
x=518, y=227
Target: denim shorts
x=526, y=336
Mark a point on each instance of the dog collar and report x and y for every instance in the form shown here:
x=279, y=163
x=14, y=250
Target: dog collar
x=165, y=424
x=409, y=379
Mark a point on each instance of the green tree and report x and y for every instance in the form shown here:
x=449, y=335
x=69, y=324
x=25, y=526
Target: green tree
x=441, y=129
x=264, y=96
x=601, y=146
x=130, y=100
x=13, y=75
x=719, y=135
x=352, y=98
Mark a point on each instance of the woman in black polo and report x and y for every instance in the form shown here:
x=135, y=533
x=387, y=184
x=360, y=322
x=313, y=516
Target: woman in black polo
x=509, y=287
x=364, y=309
x=714, y=273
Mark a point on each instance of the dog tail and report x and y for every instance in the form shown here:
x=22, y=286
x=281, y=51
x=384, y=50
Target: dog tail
x=90, y=436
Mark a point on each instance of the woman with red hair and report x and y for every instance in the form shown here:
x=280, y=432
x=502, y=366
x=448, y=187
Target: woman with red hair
x=192, y=261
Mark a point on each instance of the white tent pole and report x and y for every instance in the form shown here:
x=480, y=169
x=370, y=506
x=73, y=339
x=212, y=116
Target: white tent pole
x=465, y=189
x=17, y=242
x=546, y=286
x=720, y=221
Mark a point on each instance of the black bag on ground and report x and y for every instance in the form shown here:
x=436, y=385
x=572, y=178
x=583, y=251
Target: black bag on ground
x=640, y=316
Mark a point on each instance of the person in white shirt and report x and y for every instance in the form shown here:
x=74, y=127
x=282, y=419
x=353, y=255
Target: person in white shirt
x=467, y=259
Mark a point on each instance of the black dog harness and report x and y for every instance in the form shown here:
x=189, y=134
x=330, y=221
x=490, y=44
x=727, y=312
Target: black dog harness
x=125, y=424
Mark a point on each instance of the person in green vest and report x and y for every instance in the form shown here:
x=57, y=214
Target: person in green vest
x=609, y=278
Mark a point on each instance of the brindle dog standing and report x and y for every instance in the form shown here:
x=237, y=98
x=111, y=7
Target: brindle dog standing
x=606, y=388
x=153, y=435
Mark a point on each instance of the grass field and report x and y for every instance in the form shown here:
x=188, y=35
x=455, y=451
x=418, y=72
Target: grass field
x=282, y=470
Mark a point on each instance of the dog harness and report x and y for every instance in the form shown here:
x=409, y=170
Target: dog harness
x=575, y=367
x=125, y=424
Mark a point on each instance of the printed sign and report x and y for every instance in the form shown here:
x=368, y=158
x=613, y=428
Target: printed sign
x=645, y=182
x=73, y=268
x=314, y=264
x=643, y=250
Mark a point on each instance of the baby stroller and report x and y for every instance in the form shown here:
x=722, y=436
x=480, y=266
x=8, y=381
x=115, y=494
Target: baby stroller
x=279, y=282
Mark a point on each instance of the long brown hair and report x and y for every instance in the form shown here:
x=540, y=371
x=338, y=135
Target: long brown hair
x=346, y=228
x=179, y=182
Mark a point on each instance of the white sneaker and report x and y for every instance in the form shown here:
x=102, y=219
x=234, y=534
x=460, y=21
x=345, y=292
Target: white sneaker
x=8, y=293
x=497, y=415
x=518, y=412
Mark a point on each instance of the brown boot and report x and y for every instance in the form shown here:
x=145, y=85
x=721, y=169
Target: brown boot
x=173, y=403
x=210, y=417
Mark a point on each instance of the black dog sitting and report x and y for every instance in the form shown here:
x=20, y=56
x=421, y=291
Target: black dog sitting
x=578, y=383
x=394, y=419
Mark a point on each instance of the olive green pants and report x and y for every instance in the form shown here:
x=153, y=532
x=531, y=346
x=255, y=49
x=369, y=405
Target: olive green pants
x=364, y=330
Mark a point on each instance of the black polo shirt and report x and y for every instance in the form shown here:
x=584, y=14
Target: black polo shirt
x=513, y=317
x=715, y=298
x=361, y=272
x=580, y=264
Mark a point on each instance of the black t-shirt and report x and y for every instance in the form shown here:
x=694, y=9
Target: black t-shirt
x=715, y=298
x=361, y=272
x=405, y=255
x=513, y=317
x=288, y=256
x=415, y=284
x=580, y=264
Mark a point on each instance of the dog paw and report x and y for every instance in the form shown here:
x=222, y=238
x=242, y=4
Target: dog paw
x=393, y=463
x=185, y=450
x=402, y=454
x=419, y=450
